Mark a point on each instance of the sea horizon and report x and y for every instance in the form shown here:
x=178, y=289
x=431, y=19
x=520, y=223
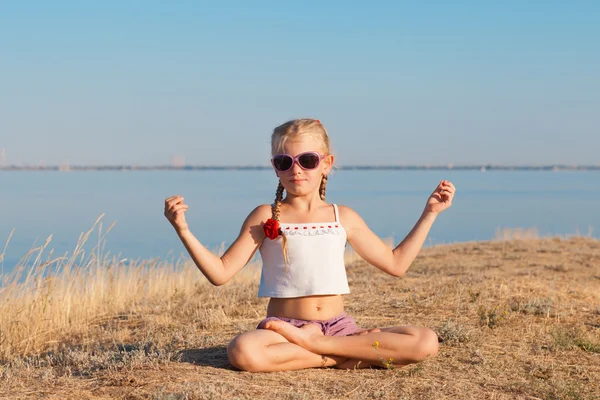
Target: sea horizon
x=410, y=167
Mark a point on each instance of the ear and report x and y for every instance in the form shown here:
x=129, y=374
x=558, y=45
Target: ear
x=328, y=163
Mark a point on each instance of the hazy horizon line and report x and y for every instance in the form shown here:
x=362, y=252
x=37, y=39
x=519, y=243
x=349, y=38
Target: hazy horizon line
x=134, y=167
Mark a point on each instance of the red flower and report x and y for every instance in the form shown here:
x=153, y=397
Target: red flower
x=271, y=228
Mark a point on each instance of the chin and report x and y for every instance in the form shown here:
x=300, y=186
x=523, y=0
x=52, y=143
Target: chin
x=299, y=191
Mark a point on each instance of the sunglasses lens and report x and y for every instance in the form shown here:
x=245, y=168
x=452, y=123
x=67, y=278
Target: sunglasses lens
x=309, y=160
x=282, y=162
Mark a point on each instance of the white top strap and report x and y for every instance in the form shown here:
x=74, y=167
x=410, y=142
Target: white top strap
x=336, y=212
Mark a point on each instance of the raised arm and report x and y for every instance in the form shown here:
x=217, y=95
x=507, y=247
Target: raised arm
x=219, y=270
x=373, y=250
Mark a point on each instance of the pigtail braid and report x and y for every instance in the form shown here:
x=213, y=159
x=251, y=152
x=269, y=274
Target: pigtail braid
x=275, y=215
x=323, y=187
x=277, y=203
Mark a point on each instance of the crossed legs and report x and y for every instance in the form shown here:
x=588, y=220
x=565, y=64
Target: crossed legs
x=283, y=347
x=264, y=350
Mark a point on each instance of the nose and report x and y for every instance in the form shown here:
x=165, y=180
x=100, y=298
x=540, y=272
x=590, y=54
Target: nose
x=296, y=167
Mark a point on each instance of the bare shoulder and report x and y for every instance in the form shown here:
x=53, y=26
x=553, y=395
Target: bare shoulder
x=259, y=214
x=349, y=217
x=252, y=226
x=346, y=211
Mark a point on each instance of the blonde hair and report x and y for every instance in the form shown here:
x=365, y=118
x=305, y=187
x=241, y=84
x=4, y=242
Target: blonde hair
x=305, y=127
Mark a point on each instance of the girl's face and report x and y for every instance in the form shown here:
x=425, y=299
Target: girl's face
x=298, y=180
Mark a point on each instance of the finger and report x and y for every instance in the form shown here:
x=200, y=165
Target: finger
x=171, y=198
x=450, y=185
x=175, y=200
x=180, y=207
x=447, y=191
x=169, y=202
x=176, y=208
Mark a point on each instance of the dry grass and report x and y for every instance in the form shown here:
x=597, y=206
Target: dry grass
x=518, y=318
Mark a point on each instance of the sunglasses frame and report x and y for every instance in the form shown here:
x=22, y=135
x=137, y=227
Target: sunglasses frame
x=296, y=160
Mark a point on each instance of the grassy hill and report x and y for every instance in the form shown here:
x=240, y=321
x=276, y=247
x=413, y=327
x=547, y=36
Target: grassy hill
x=519, y=319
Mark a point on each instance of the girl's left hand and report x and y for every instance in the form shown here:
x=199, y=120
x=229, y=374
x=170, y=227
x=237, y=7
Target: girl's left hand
x=441, y=198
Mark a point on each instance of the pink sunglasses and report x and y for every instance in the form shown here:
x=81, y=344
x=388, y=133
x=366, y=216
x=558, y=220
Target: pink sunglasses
x=308, y=160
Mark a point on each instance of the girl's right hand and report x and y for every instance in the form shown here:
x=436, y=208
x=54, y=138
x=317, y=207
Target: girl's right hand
x=175, y=212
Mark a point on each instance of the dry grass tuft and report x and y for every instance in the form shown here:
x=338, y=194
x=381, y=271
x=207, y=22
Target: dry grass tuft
x=452, y=333
x=513, y=325
x=567, y=338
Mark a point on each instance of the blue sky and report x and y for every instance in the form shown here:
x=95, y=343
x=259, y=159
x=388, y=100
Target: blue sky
x=138, y=82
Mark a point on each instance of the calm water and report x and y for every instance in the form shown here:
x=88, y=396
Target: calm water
x=37, y=204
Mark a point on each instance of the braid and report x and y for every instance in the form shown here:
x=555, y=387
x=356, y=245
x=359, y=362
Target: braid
x=275, y=216
x=277, y=204
x=323, y=187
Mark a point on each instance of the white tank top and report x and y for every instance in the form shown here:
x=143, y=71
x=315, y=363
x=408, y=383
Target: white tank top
x=315, y=254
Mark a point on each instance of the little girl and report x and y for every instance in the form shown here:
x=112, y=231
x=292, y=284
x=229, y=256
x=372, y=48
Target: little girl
x=301, y=239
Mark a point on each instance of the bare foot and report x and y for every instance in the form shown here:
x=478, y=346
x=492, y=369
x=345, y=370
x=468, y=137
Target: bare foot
x=307, y=336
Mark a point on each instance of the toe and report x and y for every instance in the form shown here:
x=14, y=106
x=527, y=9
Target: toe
x=271, y=325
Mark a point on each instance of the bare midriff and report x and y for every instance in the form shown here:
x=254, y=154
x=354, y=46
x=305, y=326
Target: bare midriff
x=312, y=308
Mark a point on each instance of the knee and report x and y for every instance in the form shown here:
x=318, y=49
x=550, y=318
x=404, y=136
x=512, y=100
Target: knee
x=242, y=354
x=427, y=344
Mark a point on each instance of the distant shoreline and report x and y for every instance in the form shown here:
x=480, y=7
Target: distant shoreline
x=486, y=167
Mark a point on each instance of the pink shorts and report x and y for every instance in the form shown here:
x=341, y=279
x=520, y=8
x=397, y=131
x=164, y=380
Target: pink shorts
x=342, y=325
